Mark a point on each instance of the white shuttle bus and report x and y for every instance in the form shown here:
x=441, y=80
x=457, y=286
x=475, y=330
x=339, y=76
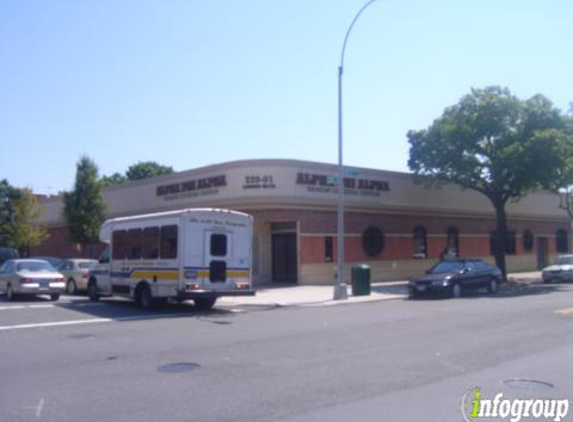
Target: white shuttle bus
x=198, y=254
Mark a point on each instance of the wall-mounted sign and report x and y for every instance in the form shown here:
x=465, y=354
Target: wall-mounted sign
x=265, y=181
x=322, y=183
x=192, y=188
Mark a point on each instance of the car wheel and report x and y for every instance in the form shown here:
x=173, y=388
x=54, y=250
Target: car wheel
x=547, y=280
x=456, y=290
x=493, y=286
x=143, y=297
x=71, y=287
x=10, y=293
x=204, y=304
x=92, y=290
x=55, y=296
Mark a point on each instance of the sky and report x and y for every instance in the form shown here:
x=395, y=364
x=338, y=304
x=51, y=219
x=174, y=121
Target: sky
x=190, y=83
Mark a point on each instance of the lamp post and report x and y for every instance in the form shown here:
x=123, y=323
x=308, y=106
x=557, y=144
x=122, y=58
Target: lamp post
x=340, y=291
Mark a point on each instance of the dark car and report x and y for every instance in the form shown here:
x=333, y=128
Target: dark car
x=456, y=276
x=8, y=253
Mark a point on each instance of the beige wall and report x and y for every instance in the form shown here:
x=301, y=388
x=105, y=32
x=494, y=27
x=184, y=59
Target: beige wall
x=283, y=189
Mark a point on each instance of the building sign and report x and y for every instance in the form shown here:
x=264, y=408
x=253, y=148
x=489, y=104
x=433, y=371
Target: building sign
x=265, y=181
x=192, y=188
x=320, y=183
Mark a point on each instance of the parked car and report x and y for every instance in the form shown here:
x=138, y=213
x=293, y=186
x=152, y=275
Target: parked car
x=8, y=253
x=456, y=276
x=561, y=270
x=53, y=260
x=75, y=271
x=30, y=277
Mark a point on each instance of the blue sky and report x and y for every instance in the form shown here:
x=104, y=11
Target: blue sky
x=189, y=83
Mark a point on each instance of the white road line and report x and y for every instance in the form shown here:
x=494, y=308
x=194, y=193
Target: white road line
x=89, y=321
x=40, y=407
x=51, y=305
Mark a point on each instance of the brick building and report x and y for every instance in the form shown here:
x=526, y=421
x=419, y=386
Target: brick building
x=397, y=227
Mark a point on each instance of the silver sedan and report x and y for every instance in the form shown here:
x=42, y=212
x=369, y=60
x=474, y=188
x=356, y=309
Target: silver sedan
x=30, y=277
x=561, y=270
x=76, y=272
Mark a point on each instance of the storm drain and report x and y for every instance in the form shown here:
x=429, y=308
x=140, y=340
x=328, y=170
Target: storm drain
x=527, y=384
x=177, y=368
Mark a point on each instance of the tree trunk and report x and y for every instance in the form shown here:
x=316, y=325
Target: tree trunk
x=500, y=236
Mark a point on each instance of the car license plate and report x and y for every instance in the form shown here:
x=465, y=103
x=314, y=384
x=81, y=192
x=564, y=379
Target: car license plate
x=421, y=288
x=44, y=285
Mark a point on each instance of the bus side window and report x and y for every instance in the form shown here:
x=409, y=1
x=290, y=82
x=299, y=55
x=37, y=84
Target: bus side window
x=119, y=245
x=134, y=241
x=168, y=248
x=150, y=244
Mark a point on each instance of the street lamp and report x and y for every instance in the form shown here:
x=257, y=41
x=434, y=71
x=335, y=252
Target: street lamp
x=340, y=291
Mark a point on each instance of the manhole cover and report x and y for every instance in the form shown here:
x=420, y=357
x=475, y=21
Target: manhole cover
x=527, y=384
x=80, y=336
x=175, y=368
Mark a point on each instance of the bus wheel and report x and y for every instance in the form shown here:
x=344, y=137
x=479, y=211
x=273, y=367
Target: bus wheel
x=204, y=304
x=143, y=297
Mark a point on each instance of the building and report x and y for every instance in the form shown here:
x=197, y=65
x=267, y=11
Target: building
x=398, y=227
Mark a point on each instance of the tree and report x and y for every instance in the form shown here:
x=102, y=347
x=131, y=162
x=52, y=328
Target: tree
x=493, y=143
x=114, y=179
x=145, y=169
x=25, y=230
x=8, y=194
x=84, y=206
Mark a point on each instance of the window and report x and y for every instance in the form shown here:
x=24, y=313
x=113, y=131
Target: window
x=527, y=241
x=420, y=242
x=119, y=242
x=373, y=241
x=218, y=245
x=481, y=266
x=168, y=248
x=452, y=242
x=134, y=244
x=328, y=250
x=150, y=243
x=218, y=271
x=562, y=241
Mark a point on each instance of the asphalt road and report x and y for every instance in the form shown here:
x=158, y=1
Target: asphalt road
x=394, y=360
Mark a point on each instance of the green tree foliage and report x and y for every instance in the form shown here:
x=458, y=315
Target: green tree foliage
x=8, y=194
x=495, y=144
x=141, y=170
x=84, y=206
x=145, y=169
x=114, y=179
x=25, y=230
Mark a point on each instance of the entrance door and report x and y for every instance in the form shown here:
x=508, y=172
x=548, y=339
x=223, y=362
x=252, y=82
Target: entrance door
x=541, y=252
x=285, y=268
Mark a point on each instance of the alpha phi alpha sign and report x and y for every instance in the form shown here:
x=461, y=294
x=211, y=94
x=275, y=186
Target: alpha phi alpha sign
x=321, y=183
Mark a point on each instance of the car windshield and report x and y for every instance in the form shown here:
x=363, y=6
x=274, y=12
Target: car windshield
x=564, y=260
x=34, y=266
x=447, y=267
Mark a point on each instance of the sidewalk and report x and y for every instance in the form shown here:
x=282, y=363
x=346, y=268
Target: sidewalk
x=296, y=295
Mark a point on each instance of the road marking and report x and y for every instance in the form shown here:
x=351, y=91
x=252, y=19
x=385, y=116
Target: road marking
x=566, y=311
x=51, y=305
x=90, y=321
x=40, y=407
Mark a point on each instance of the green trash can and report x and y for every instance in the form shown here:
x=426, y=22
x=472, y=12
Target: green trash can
x=361, y=280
